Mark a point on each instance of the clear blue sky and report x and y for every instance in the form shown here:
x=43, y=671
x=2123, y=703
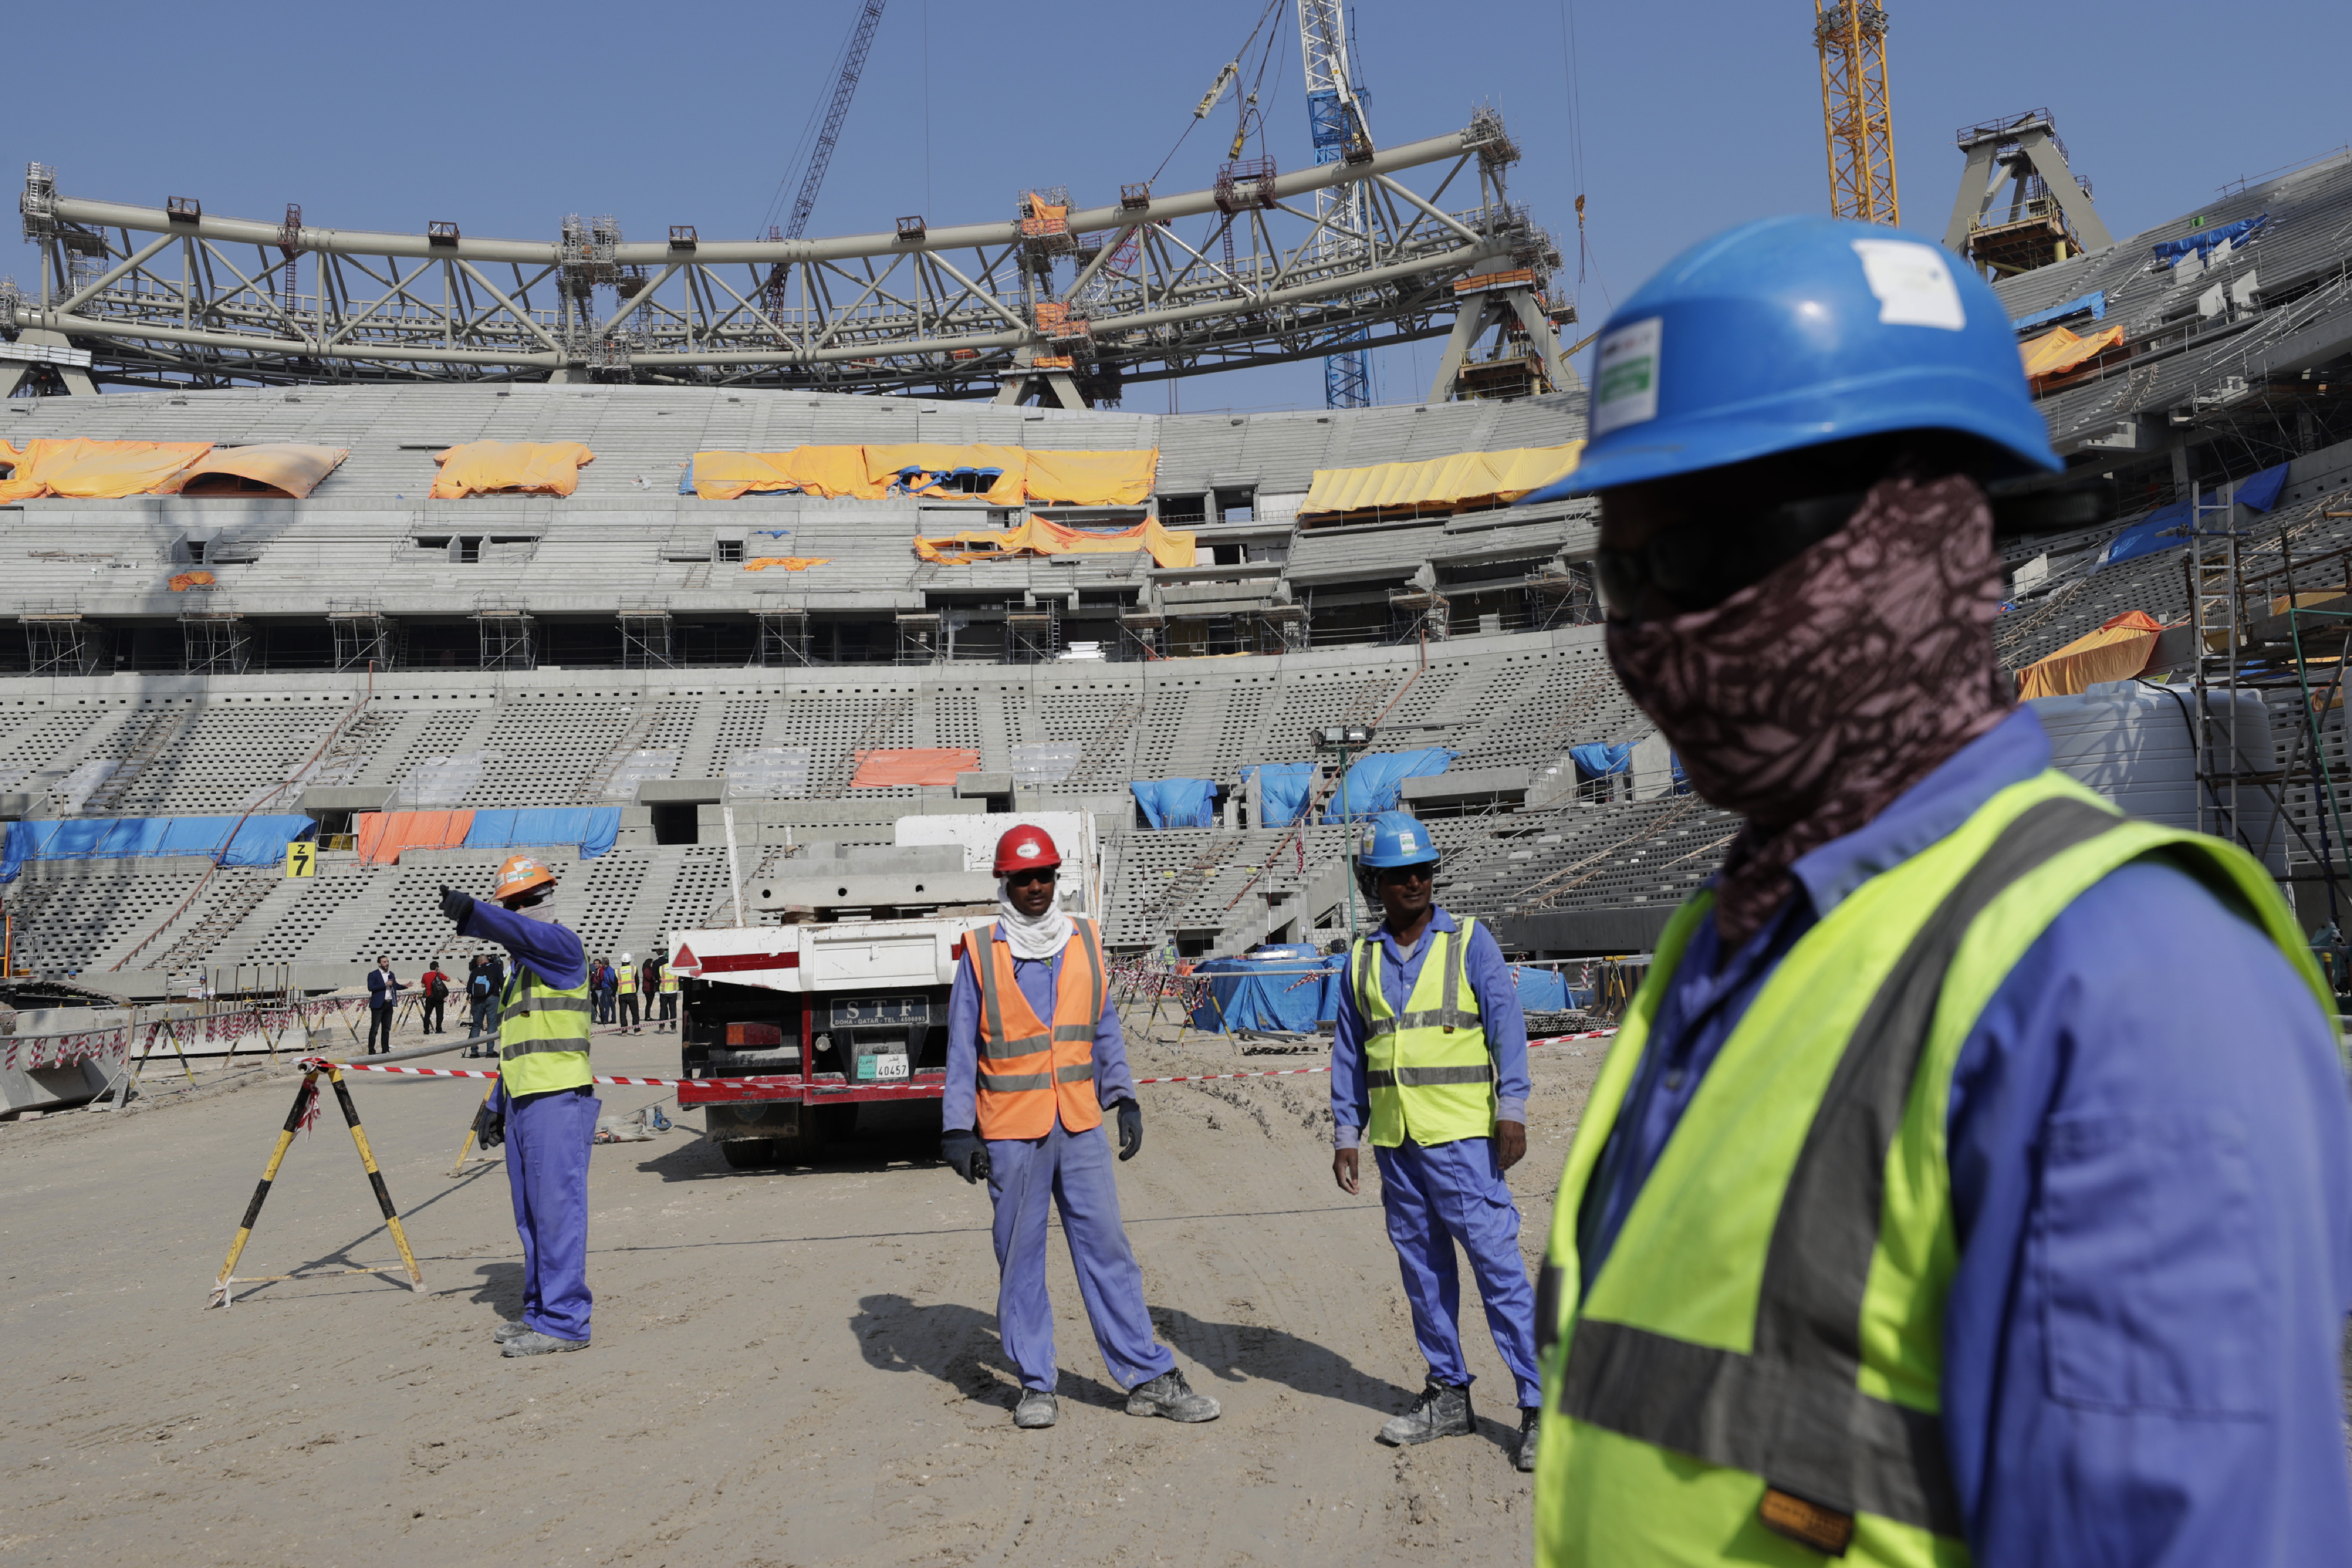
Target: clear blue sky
x=1692, y=117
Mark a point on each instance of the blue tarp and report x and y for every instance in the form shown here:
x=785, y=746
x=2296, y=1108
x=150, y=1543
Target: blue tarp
x=1177, y=803
x=1248, y=994
x=1599, y=759
x=2167, y=528
x=261, y=841
x=2093, y=304
x=1545, y=989
x=2261, y=491
x=1371, y=781
x=1282, y=790
x=592, y=827
x=2205, y=240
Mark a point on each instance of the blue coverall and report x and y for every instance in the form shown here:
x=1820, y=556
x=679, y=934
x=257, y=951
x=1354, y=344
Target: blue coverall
x=1071, y=1170
x=2151, y=1154
x=548, y=1136
x=1436, y=1194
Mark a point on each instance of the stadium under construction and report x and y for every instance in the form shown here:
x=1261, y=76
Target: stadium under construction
x=437, y=545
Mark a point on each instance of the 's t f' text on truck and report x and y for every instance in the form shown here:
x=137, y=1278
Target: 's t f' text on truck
x=828, y=1013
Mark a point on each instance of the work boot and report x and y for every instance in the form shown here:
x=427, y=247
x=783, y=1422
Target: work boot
x=512, y=1328
x=1524, y=1455
x=1036, y=1409
x=531, y=1341
x=1442, y=1410
x=1168, y=1395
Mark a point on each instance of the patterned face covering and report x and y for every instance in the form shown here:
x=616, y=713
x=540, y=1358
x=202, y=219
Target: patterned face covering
x=1809, y=700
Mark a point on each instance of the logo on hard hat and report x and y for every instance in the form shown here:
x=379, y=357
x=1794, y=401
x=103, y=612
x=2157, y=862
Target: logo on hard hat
x=1027, y=849
x=525, y=863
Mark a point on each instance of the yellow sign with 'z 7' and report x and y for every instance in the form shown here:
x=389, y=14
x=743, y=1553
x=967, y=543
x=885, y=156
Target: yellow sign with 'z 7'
x=301, y=858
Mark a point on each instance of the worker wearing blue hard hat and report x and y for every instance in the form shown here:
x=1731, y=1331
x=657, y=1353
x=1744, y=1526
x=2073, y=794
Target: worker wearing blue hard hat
x=1429, y=1061
x=1972, y=1174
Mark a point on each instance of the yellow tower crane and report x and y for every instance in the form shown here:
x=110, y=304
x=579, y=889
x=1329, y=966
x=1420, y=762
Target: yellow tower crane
x=1857, y=113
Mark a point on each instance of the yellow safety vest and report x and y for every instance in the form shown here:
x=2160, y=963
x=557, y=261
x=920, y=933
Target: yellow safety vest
x=668, y=982
x=1430, y=1076
x=625, y=980
x=543, y=1035
x=1755, y=1374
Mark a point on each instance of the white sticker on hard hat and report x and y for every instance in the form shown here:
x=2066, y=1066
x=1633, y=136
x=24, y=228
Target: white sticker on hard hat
x=1914, y=289
x=1027, y=849
x=1625, y=389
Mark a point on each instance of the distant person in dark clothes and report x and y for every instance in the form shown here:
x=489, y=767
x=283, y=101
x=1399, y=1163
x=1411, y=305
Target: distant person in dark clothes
x=479, y=996
x=384, y=996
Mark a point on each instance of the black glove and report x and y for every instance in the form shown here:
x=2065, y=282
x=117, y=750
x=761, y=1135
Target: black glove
x=489, y=1125
x=1131, y=1128
x=962, y=1148
x=456, y=905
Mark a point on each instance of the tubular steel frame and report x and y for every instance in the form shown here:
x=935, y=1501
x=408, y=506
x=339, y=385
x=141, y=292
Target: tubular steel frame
x=174, y=296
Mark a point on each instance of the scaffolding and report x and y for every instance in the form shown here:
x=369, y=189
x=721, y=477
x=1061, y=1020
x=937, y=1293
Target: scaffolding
x=645, y=637
x=506, y=637
x=920, y=639
x=61, y=642
x=364, y=636
x=783, y=637
x=215, y=642
x=1033, y=636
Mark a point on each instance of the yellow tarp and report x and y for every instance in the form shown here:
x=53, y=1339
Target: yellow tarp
x=784, y=562
x=831, y=471
x=913, y=468
x=1440, y=482
x=97, y=470
x=285, y=467
x=2117, y=652
x=1093, y=478
x=871, y=473
x=482, y=467
x=2056, y=352
x=1036, y=536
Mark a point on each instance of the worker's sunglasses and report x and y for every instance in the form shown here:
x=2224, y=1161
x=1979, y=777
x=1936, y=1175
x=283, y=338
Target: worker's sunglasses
x=1029, y=878
x=1419, y=873
x=1697, y=565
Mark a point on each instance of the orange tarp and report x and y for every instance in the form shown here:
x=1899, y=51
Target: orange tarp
x=827, y=471
x=288, y=469
x=2117, y=652
x=920, y=765
x=98, y=470
x=183, y=581
x=872, y=473
x=384, y=833
x=1435, y=483
x=538, y=468
x=2056, y=352
x=1036, y=536
x=1093, y=478
x=920, y=466
x=784, y=562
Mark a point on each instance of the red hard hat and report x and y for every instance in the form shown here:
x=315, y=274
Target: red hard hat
x=1025, y=849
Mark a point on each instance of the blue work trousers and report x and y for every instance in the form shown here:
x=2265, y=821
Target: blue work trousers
x=1434, y=1197
x=548, y=1136
x=1071, y=1170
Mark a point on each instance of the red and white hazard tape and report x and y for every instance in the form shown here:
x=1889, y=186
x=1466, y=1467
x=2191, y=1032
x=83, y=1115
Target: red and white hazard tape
x=899, y=1088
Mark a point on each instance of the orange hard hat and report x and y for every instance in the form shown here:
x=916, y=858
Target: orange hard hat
x=1027, y=849
x=520, y=874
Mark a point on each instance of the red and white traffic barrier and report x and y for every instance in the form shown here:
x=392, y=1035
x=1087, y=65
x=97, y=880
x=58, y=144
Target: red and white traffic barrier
x=903, y=1088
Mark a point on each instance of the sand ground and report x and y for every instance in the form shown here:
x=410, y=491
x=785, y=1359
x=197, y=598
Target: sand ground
x=798, y=1367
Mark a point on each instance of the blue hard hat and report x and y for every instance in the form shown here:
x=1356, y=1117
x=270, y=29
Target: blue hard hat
x=1795, y=331
x=1394, y=838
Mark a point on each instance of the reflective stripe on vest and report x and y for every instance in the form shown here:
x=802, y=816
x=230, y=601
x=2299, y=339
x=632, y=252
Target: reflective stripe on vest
x=543, y=1035
x=1428, y=1068
x=1773, y=1306
x=1030, y=1072
x=668, y=982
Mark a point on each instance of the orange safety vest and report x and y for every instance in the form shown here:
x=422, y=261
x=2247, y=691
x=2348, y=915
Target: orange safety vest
x=1028, y=1072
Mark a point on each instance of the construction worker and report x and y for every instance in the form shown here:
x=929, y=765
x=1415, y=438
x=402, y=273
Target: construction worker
x=1036, y=1092
x=1972, y=1174
x=624, y=984
x=1429, y=1055
x=666, y=984
x=547, y=1098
